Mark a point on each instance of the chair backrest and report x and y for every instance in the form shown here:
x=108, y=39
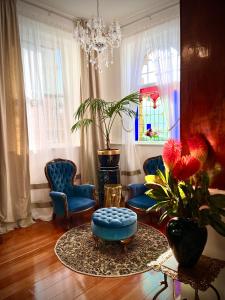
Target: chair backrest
x=60, y=174
x=152, y=164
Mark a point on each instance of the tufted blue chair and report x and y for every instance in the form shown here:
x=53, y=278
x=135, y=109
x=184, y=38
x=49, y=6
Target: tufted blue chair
x=67, y=198
x=137, y=199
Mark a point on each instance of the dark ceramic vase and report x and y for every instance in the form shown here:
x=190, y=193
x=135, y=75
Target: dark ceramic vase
x=109, y=158
x=186, y=239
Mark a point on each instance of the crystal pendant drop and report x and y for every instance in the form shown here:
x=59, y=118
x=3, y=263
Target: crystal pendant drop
x=98, y=40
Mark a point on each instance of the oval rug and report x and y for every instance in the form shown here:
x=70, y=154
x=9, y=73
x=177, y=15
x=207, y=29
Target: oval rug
x=76, y=250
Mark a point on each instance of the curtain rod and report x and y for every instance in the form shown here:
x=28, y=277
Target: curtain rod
x=150, y=15
x=49, y=10
x=74, y=18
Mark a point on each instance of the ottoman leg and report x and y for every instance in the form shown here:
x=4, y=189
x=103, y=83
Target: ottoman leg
x=126, y=242
x=96, y=240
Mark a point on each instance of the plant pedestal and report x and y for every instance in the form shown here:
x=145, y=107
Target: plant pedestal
x=107, y=176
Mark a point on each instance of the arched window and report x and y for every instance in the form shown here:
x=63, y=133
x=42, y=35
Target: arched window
x=152, y=123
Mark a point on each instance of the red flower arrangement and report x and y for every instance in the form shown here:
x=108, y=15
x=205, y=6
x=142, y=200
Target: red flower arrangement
x=198, y=148
x=182, y=191
x=185, y=167
x=171, y=153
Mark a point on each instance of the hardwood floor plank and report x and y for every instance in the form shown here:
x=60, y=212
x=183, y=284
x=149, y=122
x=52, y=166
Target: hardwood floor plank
x=56, y=276
x=25, y=266
x=24, y=294
x=10, y=287
x=67, y=284
x=29, y=269
x=136, y=288
x=100, y=289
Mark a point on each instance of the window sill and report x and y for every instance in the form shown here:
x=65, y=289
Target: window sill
x=151, y=143
x=145, y=143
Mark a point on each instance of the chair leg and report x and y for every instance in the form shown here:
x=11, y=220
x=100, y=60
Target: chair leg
x=69, y=222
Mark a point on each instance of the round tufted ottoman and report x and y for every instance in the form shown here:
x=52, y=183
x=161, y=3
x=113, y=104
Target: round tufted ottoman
x=114, y=224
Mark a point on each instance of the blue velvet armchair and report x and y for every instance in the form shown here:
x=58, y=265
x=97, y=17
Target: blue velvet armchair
x=67, y=198
x=137, y=199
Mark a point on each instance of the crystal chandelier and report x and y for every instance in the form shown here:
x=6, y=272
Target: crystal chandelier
x=98, y=40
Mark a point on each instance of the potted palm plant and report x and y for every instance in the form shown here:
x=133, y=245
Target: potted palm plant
x=107, y=113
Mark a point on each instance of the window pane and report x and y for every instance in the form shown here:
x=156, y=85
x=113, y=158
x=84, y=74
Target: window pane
x=144, y=69
x=151, y=78
x=151, y=67
x=144, y=78
x=151, y=125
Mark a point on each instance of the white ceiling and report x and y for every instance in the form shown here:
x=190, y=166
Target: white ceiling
x=124, y=11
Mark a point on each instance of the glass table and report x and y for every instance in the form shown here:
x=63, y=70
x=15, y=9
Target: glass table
x=199, y=277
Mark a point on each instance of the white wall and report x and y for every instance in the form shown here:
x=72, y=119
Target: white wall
x=110, y=86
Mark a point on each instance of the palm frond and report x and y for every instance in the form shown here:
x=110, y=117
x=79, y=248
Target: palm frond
x=107, y=112
x=81, y=123
x=91, y=105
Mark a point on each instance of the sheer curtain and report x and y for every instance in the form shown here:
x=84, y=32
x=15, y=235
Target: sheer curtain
x=163, y=42
x=133, y=50
x=51, y=64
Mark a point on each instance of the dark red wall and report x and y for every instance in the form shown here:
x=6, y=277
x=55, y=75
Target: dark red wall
x=203, y=77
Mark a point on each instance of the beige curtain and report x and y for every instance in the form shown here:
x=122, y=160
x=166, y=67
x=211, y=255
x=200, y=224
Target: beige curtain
x=91, y=137
x=14, y=170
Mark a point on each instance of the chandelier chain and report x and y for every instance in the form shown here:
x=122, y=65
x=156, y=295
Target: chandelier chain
x=98, y=8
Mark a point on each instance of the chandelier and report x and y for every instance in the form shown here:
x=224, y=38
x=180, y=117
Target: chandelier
x=98, y=40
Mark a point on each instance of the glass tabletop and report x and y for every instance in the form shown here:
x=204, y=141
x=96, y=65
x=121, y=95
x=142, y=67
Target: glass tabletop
x=206, y=280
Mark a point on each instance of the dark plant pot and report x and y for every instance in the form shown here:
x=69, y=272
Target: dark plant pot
x=109, y=158
x=186, y=239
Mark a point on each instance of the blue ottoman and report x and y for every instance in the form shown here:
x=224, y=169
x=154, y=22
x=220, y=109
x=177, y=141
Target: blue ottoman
x=114, y=224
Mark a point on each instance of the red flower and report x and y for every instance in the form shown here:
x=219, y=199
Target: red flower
x=186, y=167
x=171, y=153
x=198, y=147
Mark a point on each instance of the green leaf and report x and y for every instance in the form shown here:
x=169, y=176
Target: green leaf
x=182, y=194
x=81, y=123
x=152, y=179
x=218, y=225
x=105, y=112
x=157, y=206
x=157, y=192
x=163, y=216
x=161, y=176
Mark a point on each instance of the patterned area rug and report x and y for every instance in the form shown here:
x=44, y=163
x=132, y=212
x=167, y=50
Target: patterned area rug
x=76, y=249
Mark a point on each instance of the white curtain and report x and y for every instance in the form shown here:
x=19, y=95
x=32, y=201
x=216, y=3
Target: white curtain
x=133, y=51
x=163, y=42
x=51, y=64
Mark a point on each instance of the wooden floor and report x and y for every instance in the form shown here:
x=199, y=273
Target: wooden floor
x=29, y=269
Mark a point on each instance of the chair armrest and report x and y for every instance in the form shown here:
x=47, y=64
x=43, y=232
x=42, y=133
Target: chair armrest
x=84, y=190
x=136, y=189
x=60, y=204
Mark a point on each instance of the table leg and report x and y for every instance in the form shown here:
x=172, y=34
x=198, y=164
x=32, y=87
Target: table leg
x=215, y=290
x=196, y=295
x=162, y=289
